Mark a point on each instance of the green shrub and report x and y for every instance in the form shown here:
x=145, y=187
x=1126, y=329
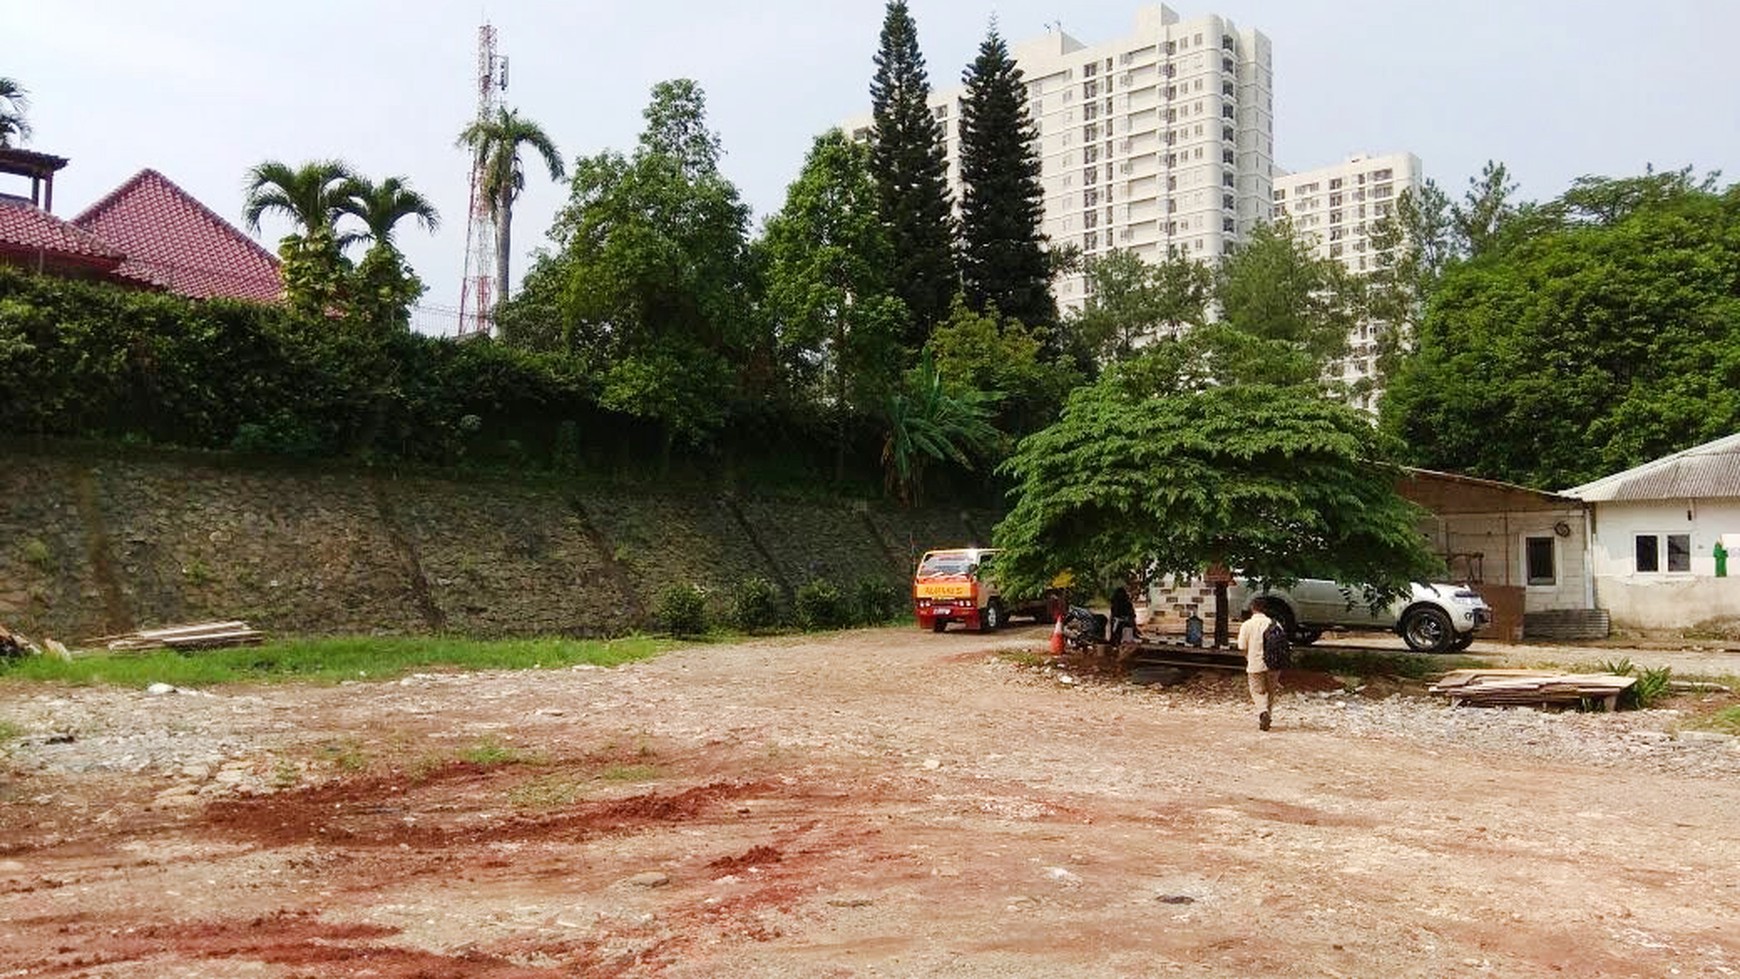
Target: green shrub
x=683, y=610
x=756, y=605
x=820, y=605
x=875, y=602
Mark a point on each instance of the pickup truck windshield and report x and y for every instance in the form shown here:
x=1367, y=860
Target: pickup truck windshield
x=937, y=565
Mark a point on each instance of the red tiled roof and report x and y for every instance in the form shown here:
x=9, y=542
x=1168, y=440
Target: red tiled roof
x=29, y=233
x=176, y=243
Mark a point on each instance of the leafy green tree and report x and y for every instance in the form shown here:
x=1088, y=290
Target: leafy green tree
x=911, y=170
x=1132, y=301
x=495, y=145
x=312, y=196
x=1005, y=359
x=827, y=259
x=1003, y=260
x=14, y=104
x=929, y=420
x=1274, y=287
x=1278, y=482
x=1599, y=334
x=1412, y=244
x=385, y=285
x=1485, y=209
x=656, y=282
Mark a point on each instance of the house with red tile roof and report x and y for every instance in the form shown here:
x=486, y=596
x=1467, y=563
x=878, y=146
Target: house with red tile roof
x=32, y=237
x=147, y=233
x=175, y=243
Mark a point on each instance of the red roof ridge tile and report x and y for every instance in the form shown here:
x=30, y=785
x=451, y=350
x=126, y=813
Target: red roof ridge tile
x=115, y=196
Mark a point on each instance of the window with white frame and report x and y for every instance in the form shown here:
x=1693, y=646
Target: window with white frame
x=1539, y=566
x=1651, y=558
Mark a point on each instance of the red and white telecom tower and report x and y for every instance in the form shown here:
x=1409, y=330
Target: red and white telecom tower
x=478, y=291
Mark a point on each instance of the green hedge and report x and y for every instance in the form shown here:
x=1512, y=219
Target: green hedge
x=88, y=360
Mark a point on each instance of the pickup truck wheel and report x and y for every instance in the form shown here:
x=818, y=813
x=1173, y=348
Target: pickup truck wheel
x=1427, y=630
x=1307, y=635
x=1461, y=642
x=993, y=617
x=938, y=625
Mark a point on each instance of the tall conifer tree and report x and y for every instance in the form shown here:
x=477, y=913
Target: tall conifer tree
x=911, y=173
x=1003, y=258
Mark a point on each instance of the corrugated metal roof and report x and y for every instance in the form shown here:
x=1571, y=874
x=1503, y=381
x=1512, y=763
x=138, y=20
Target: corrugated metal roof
x=1700, y=472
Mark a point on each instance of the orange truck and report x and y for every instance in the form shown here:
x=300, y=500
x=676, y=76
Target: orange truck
x=951, y=586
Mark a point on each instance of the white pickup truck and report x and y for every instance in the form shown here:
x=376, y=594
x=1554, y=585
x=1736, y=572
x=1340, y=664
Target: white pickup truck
x=1432, y=618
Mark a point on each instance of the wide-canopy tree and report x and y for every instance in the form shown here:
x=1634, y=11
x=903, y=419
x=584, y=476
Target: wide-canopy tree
x=837, y=320
x=652, y=276
x=1595, y=333
x=1144, y=475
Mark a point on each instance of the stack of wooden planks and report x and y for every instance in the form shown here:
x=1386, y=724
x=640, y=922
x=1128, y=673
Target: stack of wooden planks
x=181, y=638
x=1502, y=688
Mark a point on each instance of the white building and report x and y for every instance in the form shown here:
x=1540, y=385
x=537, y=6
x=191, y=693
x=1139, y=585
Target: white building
x=1160, y=139
x=1336, y=208
x=1662, y=533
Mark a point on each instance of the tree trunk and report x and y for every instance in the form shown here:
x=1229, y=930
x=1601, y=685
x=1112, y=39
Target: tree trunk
x=504, y=222
x=1220, y=615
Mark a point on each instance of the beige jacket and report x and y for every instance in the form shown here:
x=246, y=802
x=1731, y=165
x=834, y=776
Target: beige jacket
x=1250, y=642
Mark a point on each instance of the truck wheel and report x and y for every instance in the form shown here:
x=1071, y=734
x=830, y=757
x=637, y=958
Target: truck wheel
x=1427, y=630
x=1306, y=635
x=1462, y=641
x=992, y=617
x=938, y=625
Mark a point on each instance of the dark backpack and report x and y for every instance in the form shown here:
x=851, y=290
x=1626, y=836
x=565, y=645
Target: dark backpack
x=1277, y=649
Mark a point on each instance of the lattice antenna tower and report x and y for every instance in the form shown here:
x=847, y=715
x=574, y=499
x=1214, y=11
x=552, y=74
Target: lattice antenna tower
x=479, y=290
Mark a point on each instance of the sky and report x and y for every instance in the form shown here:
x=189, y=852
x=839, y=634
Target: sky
x=201, y=90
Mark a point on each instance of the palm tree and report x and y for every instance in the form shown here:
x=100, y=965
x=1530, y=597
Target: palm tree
x=14, y=100
x=928, y=420
x=382, y=206
x=495, y=145
x=312, y=195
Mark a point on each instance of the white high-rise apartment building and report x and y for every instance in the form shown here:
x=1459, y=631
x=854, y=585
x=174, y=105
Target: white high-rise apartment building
x=1336, y=208
x=1158, y=140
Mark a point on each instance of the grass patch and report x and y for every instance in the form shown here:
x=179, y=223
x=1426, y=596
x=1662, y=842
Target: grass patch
x=9, y=731
x=630, y=773
x=548, y=792
x=490, y=751
x=332, y=660
x=1726, y=720
x=346, y=756
x=1413, y=666
x=1023, y=658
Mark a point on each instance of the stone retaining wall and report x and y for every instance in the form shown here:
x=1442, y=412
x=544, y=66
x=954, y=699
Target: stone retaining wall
x=97, y=545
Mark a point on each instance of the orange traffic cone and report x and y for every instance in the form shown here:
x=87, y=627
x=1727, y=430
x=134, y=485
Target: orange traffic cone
x=1057, y=638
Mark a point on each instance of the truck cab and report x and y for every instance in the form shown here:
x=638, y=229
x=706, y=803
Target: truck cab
x=955, y=585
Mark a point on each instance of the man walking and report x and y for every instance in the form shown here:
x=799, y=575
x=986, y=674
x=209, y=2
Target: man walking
x=1257, y=673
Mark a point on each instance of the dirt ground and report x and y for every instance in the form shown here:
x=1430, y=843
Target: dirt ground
x=876, y=803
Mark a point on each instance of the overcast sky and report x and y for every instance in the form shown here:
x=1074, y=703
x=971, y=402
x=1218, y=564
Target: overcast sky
x=203, y=89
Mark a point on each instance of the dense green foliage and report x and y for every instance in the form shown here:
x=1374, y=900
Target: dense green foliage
x=818, y=604
x=682, y=610
x=1004, y=267
x=1584, y=336
x=757, y=605
x=911, y=171
x=837, y=321
x=1131, y=300
x=651, y=281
